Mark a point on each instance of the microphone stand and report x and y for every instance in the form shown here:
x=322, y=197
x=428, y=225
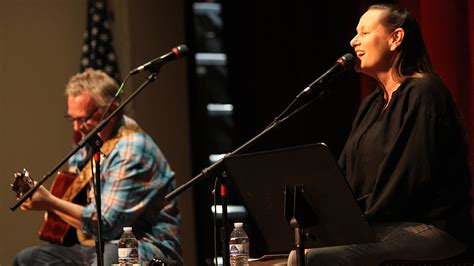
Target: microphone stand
x=224, y=192
x=95, y=142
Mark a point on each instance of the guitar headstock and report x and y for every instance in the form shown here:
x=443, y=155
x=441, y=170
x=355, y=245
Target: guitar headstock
x=22, y=182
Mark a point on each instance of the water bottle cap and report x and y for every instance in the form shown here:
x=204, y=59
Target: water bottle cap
x=127, y=229
x=238, y=225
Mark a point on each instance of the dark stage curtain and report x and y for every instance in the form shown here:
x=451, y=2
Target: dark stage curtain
x=275, y=49
x=448, y=28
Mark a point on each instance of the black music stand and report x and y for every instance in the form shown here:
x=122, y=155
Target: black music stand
x=261, y=180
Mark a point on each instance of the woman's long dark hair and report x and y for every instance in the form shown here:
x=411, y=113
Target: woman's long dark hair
x=412, y=58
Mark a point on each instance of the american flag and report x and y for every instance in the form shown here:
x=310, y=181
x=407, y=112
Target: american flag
x=97, y=51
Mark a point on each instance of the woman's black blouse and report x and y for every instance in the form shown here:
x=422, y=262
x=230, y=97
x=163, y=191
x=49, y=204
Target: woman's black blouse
x=408, y=163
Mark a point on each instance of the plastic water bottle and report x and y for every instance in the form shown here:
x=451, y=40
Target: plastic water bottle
x=239, y=246
x=128, y=247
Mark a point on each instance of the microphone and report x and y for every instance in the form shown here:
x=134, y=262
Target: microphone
x=342, y=64
x=155, y=64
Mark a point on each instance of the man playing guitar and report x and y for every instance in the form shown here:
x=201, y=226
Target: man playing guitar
x=135, y=177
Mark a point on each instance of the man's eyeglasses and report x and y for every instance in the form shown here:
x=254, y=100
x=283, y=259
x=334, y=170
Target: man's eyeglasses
x=83, y=119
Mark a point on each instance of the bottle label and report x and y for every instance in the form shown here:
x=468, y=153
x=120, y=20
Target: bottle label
x=238, y=249
x=127, y=253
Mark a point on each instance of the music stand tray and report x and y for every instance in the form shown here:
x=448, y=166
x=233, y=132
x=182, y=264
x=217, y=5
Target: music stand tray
x=260, y=180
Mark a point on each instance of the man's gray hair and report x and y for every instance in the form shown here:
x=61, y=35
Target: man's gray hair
x=101, y=87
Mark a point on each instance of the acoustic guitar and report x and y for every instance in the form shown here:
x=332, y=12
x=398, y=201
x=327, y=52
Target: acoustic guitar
x=69, y=187
x=54, y=229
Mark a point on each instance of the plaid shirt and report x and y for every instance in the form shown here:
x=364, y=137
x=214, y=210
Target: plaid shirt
x=135, y=177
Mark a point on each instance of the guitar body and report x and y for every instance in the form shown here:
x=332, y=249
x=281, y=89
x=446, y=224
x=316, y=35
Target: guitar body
x=54, y=229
